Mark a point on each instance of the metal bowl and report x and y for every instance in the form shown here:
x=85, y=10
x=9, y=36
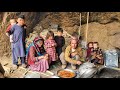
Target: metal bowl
x=67, y=70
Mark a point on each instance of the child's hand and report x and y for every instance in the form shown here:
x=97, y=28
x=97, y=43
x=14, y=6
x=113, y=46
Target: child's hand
x=40, y=57
x=79, y=62
x=52, y=44
x=25, y=27
x=46, y=57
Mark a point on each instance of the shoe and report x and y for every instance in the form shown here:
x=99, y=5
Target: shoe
x=64, y=66
x=24, y=65
x=73, y=67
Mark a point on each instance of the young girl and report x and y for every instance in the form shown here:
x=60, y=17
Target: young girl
x=50, y=45
x=89, y=50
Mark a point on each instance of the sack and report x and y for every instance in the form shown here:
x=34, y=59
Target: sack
x=111, y=58
x=87, y=70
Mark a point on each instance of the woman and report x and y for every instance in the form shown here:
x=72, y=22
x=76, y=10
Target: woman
x=36, y=56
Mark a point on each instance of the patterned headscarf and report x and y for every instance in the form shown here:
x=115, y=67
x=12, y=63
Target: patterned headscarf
x=39, y=49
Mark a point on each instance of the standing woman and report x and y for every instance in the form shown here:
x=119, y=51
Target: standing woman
x=36, y=56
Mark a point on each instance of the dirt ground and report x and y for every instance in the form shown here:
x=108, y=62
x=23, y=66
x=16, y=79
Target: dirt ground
x=21, y=72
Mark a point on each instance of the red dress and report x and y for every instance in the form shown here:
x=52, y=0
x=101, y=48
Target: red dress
x=36, y=65
x=51, y=51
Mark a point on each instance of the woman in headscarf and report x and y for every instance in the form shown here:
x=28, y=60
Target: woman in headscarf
x=36, y=56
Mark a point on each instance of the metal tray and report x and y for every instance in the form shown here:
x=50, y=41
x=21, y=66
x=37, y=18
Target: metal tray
x=67, y=70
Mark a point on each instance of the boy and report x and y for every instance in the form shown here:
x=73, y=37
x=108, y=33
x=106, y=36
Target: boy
x=60, y=40
x=12, y=22
x=18, y=42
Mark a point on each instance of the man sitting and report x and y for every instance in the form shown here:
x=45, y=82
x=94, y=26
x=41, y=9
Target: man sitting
x=73, y=54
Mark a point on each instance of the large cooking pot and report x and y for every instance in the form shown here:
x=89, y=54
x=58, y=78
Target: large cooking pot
x=87, y=70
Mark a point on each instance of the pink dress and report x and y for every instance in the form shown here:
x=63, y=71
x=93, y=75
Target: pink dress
x=40, y=65
x=51, y=51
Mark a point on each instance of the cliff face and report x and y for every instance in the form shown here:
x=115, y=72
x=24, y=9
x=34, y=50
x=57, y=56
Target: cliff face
x=104, y=27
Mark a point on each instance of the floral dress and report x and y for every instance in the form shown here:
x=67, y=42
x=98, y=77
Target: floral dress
x=51, y=50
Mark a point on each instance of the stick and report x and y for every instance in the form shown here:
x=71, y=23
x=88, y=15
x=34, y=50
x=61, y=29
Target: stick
x=80, y=25
x=87, y=26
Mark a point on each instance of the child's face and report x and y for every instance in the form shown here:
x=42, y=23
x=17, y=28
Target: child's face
x=90, y=45
x=59, y=33
x=12, y=22
x=51, y=37
x=95, y=45
x=21, y=21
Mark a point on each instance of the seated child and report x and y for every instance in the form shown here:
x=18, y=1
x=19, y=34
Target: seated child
x=89, y=50
x=96, y=55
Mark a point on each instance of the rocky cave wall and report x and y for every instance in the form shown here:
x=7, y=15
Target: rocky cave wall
x=104, y=27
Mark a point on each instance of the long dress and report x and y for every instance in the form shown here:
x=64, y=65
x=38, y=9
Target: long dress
x=18, y=43
x=51, y=51
x=36, y=65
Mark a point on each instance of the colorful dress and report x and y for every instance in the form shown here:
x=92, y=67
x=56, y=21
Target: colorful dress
x=50, y=50
x=37, y=65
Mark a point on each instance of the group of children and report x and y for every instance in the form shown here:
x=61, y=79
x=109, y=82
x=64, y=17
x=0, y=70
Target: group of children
x=53, y=44
x=94, y=53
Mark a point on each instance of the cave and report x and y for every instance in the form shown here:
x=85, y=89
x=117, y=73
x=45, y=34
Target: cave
x=104, y=27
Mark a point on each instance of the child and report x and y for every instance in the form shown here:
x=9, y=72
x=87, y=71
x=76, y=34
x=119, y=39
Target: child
x=18, y=43
x=96, y=55
x=12, y=22
x=50, y=45
x=89, y=50
x=60, y=40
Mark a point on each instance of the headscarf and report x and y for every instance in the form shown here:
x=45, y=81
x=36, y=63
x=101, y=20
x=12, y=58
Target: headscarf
x=38, y=49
